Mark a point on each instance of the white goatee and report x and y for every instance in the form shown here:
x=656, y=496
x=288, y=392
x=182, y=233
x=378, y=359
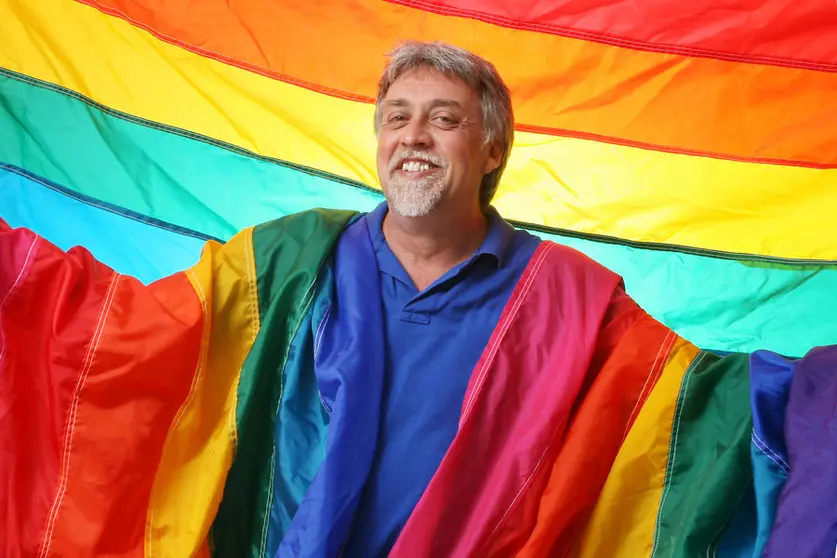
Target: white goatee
x=415, y=197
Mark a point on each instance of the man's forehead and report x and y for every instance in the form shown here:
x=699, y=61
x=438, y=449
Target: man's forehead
x=434, y=102
x=427, y=86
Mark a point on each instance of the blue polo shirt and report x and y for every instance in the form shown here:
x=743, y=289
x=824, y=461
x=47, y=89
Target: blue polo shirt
x=433, y=340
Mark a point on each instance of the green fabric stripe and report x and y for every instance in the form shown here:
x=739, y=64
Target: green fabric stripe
x=708, y=469
x=715, y=303
x=286, y=278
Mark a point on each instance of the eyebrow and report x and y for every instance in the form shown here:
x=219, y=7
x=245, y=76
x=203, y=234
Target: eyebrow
x=435, y=103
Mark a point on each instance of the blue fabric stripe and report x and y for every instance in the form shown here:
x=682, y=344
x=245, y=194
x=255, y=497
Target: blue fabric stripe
x=770, y=381
x=140, y=249
x=349, y=369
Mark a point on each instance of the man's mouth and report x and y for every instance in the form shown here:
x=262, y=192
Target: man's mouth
x=415, y=167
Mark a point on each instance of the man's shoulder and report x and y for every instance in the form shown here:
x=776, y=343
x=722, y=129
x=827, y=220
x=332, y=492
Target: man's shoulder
x=312, y=231
x=318, y=216
x=560, y=259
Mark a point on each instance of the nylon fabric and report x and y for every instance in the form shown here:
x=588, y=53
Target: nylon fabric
x=806, y=520
x=634, y=487
x=75, y=480
x=349, y=370
x=303, y=420
x=544, y=179
x=175, y=177
x=560, y=85
x=201, y=441
x=780, y=32
x=708, y=469
x=144, y=251
x=631, y=353
x=770, y=381
x=287, y=255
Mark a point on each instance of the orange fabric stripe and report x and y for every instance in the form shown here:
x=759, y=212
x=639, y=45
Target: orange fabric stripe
x=560, y=85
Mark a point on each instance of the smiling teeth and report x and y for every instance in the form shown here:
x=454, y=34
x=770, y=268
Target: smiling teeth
x=415, y=166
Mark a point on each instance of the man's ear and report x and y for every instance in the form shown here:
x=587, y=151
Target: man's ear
x=495, y=155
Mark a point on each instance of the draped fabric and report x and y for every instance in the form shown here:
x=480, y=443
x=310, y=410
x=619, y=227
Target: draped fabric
x=163, y=276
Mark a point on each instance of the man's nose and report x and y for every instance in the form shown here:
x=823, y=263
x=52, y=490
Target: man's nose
x=416, y=133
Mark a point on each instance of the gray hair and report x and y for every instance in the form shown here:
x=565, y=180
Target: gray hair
x=481, y=75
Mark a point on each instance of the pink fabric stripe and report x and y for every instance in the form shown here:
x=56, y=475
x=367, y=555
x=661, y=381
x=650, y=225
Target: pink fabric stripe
x=17, y=255
x=515, y=412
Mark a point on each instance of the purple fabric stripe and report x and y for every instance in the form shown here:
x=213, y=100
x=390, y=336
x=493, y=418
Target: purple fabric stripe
x=806, y=518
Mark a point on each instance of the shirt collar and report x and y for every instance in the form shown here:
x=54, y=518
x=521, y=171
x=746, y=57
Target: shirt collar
x=497, y=242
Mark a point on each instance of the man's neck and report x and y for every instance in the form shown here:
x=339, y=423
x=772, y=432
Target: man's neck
x=429, y=246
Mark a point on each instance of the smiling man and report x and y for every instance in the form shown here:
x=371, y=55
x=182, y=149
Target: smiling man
x=447, y=264
x=420, y=380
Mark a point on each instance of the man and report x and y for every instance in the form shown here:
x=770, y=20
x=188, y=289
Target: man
x=447, y=264
x=421, y=380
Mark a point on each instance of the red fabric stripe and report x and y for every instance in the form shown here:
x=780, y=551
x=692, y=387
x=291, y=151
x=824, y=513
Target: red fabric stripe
x=517, y=407
x=42, y=321
x=81, y=431
x=777, y=32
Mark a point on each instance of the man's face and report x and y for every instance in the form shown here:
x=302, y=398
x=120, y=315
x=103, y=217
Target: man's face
x=430, y=143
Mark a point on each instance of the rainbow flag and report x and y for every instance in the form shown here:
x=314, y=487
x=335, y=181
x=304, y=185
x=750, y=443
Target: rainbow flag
x=688, y=148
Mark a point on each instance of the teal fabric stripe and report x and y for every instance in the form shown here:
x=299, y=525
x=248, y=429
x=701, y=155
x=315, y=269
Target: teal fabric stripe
x=769, y=477
x=129, y=246
x=716, y=304
x=302, y=421
x=725, y=305
x=739, y=537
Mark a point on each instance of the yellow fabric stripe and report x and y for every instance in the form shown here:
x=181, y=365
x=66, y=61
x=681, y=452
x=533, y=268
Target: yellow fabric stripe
x=200, y=446
x=623, y=521
x=582, y=185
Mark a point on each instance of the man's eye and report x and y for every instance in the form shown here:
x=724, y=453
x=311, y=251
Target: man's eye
x=397, y=118
x=446, y=120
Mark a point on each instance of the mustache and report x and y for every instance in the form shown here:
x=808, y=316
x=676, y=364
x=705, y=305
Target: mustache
x=398, y=159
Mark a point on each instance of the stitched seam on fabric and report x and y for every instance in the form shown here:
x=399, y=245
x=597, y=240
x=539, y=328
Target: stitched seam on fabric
x=612, y=40
x=651, y=372
x=318, y=88
x=495, y=346
x=87, y=200
x=317, y=343
x=253, y=307
x=678, y=413
x=524, y=487
x=320, y=331
x=308, y=299
x=269, y=501
x=769, y=453
x=512, y=316
x=72, y=415
x=9, y=294
x=196, y=378
x=226, y=59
